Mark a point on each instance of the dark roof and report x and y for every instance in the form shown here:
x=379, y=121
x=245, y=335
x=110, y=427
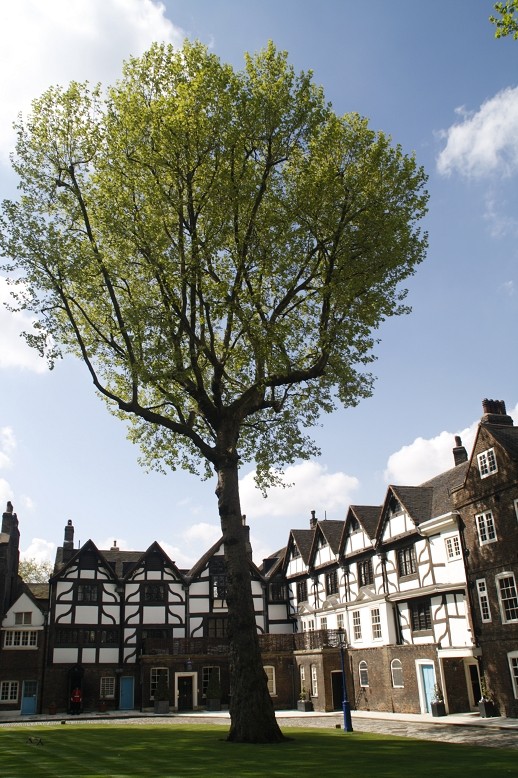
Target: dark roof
x=332, y=531
x=443, y=485
x=119, y=559
x=417, y=501
x=368, y=516
x=303, y=539
x=507, y=436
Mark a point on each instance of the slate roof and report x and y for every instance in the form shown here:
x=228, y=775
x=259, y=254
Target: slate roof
x=442, y=486
x=416, y=500
x=304, y=540
x=506, y=436
x=332, y=531
x=368, y=516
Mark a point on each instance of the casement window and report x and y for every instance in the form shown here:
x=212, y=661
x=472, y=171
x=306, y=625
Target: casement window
x=107, y=688
x=453, y=550
x=363, y=672
x=396, y=671
x=219, y=589
x=153, y=684
x=206, y=673
x=487, y=463
x=87, y=592
x=74, y=637
x=270, y=674
x=9, y=691
x=357, y=626
x=483, y=600
x=302, y=591
x=512, y=658
x=217, y=627
x=322, y=541
x=23, y=617
x=420, y=615
x=154, y=592
x=314, y=681
x=21, y=638
x=302, y=675
x=365, y=573
x=406, y=561
x=323, y=622
x=332, y=583
x=295, y=553
x=277, y=592
x=376, y=624
x=485, y=528
x=340, y=621
x=508, y=597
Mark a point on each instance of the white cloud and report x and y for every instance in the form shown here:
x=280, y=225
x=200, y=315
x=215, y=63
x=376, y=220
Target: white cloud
x=14, y=351
x=40, y=550
x=55, y=41
x=313, y=489
x=509, y=288
x=484, y=142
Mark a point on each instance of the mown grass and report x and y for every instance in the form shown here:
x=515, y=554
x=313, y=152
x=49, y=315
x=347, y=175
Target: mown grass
x=178, y=751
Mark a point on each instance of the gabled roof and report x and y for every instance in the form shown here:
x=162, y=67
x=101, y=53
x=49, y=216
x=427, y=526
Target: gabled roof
x=367, y=516
x=332, y=531
x=202, y=563
x=506, y=436
x=120, y=558
x=443, y=485
x=303, y=539
x=39, y=593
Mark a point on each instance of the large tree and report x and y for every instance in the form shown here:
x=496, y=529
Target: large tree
x=219, y=248
x=507, y=22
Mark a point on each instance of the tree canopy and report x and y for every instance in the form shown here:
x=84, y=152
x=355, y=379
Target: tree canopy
x=220, y=248
x=507, y=22
x=33, y=571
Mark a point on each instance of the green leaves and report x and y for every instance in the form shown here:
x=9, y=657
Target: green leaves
x=218, y=247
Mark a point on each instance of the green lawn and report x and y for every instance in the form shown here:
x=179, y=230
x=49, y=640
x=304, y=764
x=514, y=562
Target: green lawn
x=177, y=751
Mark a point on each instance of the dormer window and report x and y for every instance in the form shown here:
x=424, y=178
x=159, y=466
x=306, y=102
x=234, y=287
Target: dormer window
x=295, y=553
x=322, y=542
x=487, y=463
x=394, y=506
x=354, y=525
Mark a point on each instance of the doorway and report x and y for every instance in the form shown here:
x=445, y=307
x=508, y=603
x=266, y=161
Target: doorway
x=126, y=694
x=185, y=692
x=474, y=690
x=427, y=682
x=29, y=697
x=337, y=689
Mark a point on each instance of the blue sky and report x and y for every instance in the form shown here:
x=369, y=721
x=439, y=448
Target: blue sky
x=432, y=76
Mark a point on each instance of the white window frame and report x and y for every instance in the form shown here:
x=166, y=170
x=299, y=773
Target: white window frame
x=453, y=548
x=302, y=675
x=396, y=667
x=323, y=622
x=363, y=674
x=487, y=464
x=314, y=681
x=107, y=687
x=21, y=638
x=22, y=617
x=153, y=679
x=9, y=691
x=486, y=528
x=483, y=600
x=500, y=577
x=377, y=633
x=340, y=623
x=512, y=658
x=270, y=674
x=357, y=626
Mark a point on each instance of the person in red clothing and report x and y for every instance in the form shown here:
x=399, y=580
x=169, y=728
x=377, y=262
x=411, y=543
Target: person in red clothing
x=75, y=701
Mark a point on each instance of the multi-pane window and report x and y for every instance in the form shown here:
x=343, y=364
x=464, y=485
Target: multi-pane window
x=485, y=528
x=206, y=673
x=23, y=617
x=340, y=621
x=107, y=688
x=219, y=587
x=217, y=627
x=363, y=672
x=421, y=616
x=270, y=675
x=295, y=553
x=487, y=463
x=332, y=582
x=483, y=599
x=396, y=671
x=314, y=681
x=87, y=592
x=302, y=675
x=508, y=597
x=18, y=638
x=74, y=636
x=9, y=691
x=453, y=550
x=277, y=591
x=308, y=625
x=512, y=656
x=406, y=560
x=357, y=625
x=156, y=672
x=365, y=572
x=376, y=624
x=154, y=592
x=323, y=622
x=302, y=591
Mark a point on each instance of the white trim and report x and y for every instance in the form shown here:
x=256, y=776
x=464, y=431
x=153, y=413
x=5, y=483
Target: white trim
x=513, y=655
x=498, y=578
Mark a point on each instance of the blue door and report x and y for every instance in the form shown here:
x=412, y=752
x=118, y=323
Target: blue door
x=29, y=697
x=428, y=676
x=126, y=693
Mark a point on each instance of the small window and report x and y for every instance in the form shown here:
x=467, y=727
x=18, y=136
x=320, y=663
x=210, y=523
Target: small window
x=302, y=675
x=508, y=597
x=217, y=627
x=483, y=599
x=156, y=672
x=21, y=638
x=219, y=588
x=323, y=622
x=87, y=592
x=295, y=553
x=270, y=674
x=364, y=674
x=453, y=548
x=485, y=528
x=9, y=691
x=340, y=621
x=154, y=592
x=314, y=681
x=332, y=583
x=322, y=541
x=376, y=624
x=206, y=673
x=23, y=617
x=365, y=573
x=277, y=591
x=396, y=671
x=302, y=591
x=107, y=689
x=420, y=611
x=406, y=560
x=487, y=463
x=512, y=657
x=357, y=626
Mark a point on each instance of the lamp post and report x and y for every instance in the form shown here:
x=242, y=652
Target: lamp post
x=346, y=706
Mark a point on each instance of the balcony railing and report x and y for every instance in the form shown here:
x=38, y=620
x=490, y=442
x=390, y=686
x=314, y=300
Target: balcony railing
x=269, y=643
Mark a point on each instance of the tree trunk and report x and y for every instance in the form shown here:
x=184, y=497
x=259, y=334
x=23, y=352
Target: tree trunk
x=252, y=714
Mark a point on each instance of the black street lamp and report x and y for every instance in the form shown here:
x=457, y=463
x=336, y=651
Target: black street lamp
x=346, y=705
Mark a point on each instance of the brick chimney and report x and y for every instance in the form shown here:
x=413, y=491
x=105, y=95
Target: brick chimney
x=68, y=542
x=494, y=412
x=313, y=520
x=460, y=454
